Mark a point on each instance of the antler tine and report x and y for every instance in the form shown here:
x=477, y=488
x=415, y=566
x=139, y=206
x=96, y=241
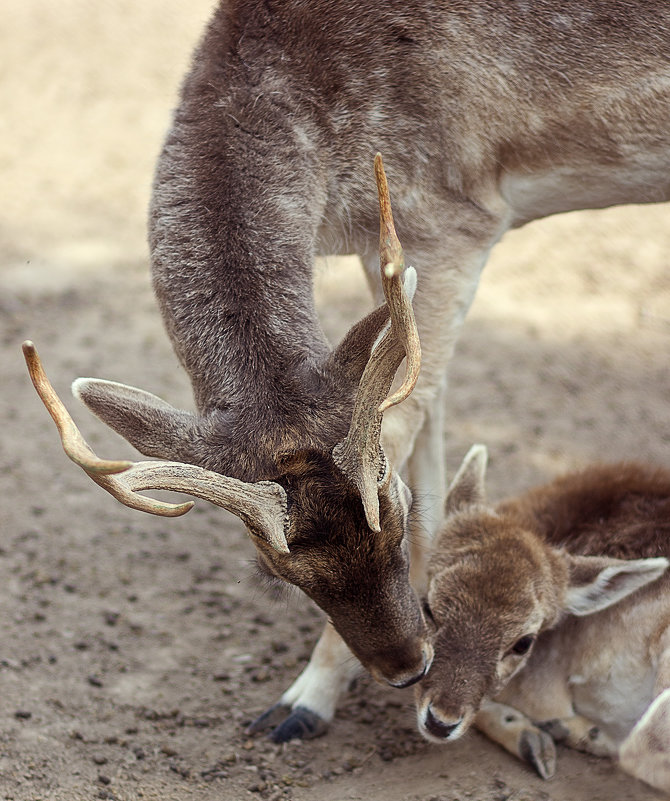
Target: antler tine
x=359, y=455
x=392, y=264
x=401, y=338
x=102, y=471
x=74, y=445
x=262, y=506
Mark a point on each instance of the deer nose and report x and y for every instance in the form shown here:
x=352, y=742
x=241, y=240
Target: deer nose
x=400, y=685
x=437, y=727
x=427, y=654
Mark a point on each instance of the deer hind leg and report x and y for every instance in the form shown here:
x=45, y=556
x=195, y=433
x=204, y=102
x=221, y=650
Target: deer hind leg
x=518, y=735
x=645, y=753
x=447, y=280
x=426, y=476
x=307, y=707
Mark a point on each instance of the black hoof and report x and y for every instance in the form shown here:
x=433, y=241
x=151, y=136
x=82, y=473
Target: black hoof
x=270, y=718
x=538, y=749
x=301, y=724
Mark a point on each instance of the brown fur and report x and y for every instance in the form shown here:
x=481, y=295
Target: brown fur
x=533, y=603
x=268, y=161
x=328, y=530
x=622, y=511
x=488, y=114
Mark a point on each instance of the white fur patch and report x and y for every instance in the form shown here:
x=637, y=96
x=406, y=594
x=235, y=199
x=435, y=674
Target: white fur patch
x=319, y=687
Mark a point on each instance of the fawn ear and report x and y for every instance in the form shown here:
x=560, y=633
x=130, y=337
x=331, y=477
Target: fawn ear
x=152, y=425
x=467, y=488
x=596, y=582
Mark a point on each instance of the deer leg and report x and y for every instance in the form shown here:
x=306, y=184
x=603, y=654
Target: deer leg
x=645, y=753
x=581, y=734
x=307, y=707
x=426, y=475
x=412, y=431
x=518, y=735
x=446, y=288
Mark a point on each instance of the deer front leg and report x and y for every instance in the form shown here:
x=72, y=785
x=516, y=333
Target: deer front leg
x=446, y=287
x=518, y=735
x=426, y=475
x=413, y=432
x=307, y=707
x=581, y=734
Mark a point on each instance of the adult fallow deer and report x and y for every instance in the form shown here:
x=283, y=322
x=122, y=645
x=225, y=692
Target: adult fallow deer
x=489, y=114
x=321, y=502
x=552, y=618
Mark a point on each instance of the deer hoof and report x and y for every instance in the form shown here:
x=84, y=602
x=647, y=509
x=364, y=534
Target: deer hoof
x=537, y=748
x=301, y=724
x=269, y=719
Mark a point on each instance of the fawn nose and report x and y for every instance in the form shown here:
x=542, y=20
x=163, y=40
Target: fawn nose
x=437, y=727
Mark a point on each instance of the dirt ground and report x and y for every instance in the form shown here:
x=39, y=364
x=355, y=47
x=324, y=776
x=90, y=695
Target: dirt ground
x=133, y=650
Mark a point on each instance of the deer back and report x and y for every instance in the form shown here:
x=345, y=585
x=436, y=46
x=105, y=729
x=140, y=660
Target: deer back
x=619, y=510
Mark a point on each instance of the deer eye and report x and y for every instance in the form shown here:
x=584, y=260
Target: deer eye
x=522, y=646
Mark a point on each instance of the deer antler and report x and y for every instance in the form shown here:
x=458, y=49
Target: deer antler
x=261, y=506
x=392, y=264
x=360, y=455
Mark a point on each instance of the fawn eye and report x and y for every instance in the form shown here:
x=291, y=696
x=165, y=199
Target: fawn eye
x=522, y=646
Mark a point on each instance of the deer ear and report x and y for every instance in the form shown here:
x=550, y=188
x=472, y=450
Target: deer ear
x=351, y=356
x=596, y=582
x=150, y=424
x=467, y=488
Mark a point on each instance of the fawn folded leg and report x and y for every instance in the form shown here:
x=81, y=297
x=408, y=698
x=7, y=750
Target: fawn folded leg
x=645, y=753
x=581, y=734
x=519, y=735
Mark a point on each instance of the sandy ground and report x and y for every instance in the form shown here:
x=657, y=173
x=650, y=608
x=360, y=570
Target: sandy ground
x=133, y=650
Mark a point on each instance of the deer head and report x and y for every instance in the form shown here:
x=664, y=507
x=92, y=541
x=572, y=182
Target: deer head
x=330, y=518
x=493, y=588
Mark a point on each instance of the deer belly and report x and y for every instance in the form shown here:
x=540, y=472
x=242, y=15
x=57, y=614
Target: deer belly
x=567, y=187
x=614, y=700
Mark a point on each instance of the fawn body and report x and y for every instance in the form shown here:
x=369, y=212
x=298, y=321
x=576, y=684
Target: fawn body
x=552, y=615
